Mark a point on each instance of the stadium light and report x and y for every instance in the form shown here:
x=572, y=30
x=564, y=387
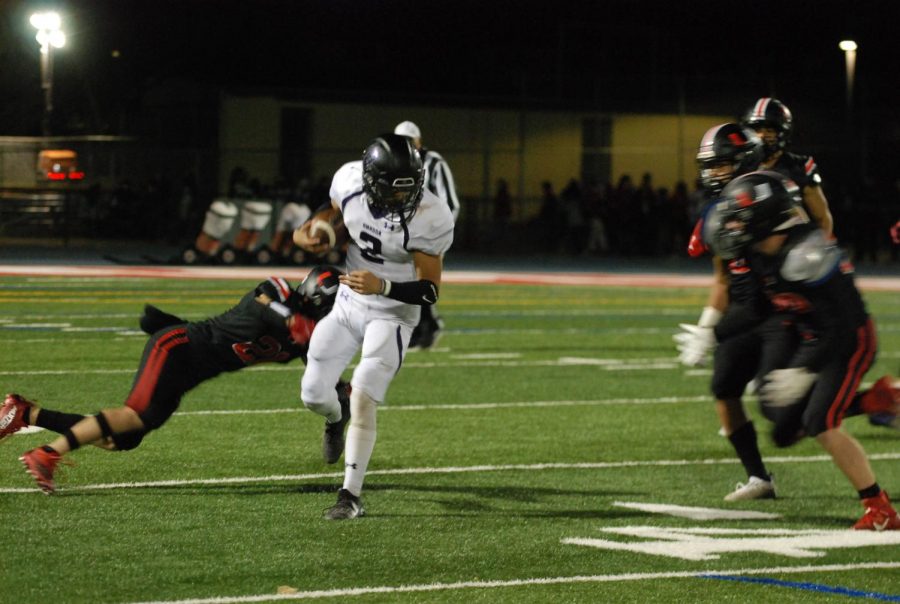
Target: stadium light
x=49, y=35
x=849, y=48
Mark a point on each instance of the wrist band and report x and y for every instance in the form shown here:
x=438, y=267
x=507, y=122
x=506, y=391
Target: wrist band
x=385, y=287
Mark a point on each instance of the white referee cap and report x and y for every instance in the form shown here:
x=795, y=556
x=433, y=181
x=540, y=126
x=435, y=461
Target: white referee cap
x=409, y=129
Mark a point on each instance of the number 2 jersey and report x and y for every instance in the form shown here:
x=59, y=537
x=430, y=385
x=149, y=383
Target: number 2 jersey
x=383, y=246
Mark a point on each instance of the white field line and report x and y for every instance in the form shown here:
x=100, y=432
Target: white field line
x=665, y=363
x=432, y=587
x=604, y=364
x=599, y=465
x=666, y=400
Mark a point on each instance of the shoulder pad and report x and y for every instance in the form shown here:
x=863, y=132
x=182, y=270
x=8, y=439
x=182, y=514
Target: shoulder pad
x=813, y=260
x=347, y=182
x=431, y=229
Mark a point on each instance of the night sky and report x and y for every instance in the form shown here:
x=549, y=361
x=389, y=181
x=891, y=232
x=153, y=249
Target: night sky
x=619, y=55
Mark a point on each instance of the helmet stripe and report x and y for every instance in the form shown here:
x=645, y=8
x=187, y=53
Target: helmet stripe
x=281, y=285
x=761, y=106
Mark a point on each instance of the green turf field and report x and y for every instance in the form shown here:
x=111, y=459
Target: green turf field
x=509, y=467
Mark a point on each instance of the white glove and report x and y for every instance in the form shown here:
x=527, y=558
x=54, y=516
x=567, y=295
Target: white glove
x=694, y=344
x=783, y=387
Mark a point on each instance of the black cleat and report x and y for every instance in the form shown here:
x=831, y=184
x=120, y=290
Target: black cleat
x=348, y=506
x=333, y=439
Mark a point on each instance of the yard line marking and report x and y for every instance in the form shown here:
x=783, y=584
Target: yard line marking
x=430, y=587
x=664, y=400
x=604, y=364
x=697, y=544
x=695, y=513
x=600, y=465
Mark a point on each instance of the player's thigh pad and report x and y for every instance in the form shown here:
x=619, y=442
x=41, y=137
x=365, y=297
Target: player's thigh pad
x=383, y=351
x=255, y=215
x=219, y=218
x=331, y=349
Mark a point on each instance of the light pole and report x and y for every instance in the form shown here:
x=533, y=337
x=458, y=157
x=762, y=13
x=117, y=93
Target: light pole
x=849, y=48
x=49, y=36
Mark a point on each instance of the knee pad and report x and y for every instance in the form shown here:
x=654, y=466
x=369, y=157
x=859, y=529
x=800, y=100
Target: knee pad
x=219, y=218
x=126, y=441
x=255, y=215
x=316, y=397
x=362, y=410
x=375, y=376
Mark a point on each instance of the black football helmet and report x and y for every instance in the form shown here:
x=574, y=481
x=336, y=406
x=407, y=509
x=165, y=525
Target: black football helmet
x=315, y=295
x=393, y=175
x=755, y=206
x=727, y=144
x=771, y=113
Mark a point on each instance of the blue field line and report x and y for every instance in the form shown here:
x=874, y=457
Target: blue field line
x=843, y=591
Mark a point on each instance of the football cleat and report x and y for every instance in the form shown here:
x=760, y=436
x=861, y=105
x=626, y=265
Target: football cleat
x=348, y=506
x=755, y=488
x=881, y=403
x=13, y=414
x=41, y=464
x=879, y=516
x=333, y=439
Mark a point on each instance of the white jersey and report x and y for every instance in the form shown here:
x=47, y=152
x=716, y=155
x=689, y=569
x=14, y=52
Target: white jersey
x=382, y=246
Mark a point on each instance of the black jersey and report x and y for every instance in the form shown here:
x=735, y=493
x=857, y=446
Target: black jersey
x=812, y=279
x=747, y=302
x=802, y=169
x=248, y=333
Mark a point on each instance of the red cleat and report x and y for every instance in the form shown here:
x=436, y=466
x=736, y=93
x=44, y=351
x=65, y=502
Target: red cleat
x=13, y=414
x=879, y=516
x=882, y=397
x=41, y=465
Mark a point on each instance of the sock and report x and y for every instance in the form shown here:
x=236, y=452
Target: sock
x=357, y=453
x=871, y=491
x=57, y=421
x=745, y=445
x=360, y=441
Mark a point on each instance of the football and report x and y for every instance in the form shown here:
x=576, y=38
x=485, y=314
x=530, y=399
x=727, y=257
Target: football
x=328, y=227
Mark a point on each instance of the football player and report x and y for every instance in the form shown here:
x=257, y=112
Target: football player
x=746, y=346
x=774, y=123
x=271, y=323
x=399, y=232
x=804, y=273
x=438, y=180
x=726, y=151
